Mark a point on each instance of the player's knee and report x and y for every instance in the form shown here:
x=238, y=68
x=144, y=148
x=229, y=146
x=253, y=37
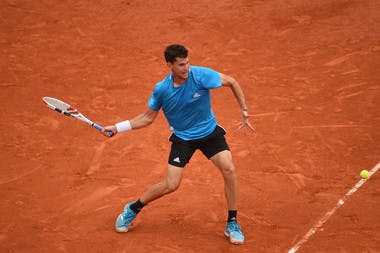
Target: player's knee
x=228, y=170
x=172, y=186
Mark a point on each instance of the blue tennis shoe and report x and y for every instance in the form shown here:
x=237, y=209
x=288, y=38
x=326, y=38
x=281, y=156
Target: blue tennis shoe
x=233, y=232
x=124, y=220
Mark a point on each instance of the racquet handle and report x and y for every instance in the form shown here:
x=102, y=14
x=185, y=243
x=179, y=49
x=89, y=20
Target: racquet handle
x=100, y=128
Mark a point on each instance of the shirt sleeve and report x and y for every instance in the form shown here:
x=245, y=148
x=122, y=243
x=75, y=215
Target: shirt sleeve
x=154, y=101
x=209, y=78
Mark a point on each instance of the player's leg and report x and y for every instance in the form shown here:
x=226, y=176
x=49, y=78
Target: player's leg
x=180, y=155
x=169, y=184
x=216, y=149
x=223, y=160
x=166, y=186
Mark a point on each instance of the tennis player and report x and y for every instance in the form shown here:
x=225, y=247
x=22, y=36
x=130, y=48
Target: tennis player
x=184, y=96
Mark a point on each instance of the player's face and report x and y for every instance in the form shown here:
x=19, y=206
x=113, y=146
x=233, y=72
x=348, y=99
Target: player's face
x=180, y=67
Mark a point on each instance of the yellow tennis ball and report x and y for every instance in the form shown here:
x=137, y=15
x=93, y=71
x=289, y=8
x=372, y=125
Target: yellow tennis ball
x=364, y=174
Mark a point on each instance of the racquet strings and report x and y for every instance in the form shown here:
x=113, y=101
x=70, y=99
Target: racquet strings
x=62, y=106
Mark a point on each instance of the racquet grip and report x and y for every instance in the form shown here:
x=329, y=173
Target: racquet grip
x=100, y=128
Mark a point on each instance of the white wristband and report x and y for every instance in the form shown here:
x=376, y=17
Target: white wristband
x=123, y=126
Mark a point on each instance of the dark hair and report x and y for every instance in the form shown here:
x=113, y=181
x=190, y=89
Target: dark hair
x=173, y=51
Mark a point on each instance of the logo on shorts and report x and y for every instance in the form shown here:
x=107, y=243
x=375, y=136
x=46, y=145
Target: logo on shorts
x=196, y=95
x=177, y=160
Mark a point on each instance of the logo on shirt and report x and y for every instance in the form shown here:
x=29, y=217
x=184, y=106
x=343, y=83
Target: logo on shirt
x=196, y=95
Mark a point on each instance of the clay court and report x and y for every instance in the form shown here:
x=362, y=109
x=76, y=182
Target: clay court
x=310, y=72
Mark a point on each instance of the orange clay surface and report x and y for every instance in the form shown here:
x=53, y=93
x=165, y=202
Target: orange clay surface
x=310, y=72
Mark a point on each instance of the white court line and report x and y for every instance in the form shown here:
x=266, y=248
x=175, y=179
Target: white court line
x=327, y=215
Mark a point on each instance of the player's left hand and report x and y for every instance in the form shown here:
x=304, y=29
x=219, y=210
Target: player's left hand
x=245, y=122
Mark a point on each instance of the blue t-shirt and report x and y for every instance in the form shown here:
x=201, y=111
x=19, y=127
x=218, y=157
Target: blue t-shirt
x=188, y=107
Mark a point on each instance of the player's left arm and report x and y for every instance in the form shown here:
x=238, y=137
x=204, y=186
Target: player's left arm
x=228, y=81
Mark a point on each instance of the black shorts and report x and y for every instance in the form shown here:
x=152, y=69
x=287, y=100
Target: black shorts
x=182, y=151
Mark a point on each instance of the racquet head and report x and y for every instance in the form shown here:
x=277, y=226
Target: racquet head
x=60, y=106
x=66, y=109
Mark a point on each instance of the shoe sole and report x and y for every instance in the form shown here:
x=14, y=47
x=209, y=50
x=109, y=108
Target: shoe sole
x=121, y=230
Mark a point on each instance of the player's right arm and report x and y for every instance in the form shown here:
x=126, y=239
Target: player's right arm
x=140, y=121
x=144, y=119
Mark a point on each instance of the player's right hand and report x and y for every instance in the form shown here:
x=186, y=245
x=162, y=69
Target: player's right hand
x=109, y=129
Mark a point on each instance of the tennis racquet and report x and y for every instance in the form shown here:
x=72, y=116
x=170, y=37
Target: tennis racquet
x=66, y=109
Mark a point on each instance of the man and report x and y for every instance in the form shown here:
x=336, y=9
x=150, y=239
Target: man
x=184, y=96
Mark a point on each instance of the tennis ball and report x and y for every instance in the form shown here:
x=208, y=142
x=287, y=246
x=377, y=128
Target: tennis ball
x=364, y=174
